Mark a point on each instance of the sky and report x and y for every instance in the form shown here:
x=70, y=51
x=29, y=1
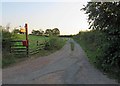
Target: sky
x=66, y=16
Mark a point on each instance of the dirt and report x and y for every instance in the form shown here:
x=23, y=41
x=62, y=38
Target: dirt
x=62, y=67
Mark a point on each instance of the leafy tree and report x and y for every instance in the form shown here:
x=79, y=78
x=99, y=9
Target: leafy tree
x=56, y=31
x=8, y=27
x=35, y=32
x=48, y=32
x=16, y=31
x=105, y=17
x=41, y=32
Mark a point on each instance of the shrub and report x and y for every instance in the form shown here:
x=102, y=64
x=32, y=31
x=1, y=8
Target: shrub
x=54, y=43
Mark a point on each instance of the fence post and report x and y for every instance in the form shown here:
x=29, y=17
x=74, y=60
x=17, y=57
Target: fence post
x=27, y=46
x=10, y=47
x=37, y=43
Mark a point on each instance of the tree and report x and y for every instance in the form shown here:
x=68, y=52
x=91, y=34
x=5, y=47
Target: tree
x=8, y=27
x=38, y=32
x=56, y=31
x=35, y=32
x=105, y=17
x=48, y=32
x=41, y=32
x=16, y=31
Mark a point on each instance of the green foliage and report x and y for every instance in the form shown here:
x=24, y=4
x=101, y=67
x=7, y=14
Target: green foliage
x=52, y=32
x=9, y=58
x=105, y=17
x=35, y=32
x=54, y=43
x=92, y=42
x=48, y=32
x=56, y=32
x=16, y=31
x=6, y=38
x=95, y=45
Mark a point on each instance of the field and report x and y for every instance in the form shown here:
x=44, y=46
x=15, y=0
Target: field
x=32, y=40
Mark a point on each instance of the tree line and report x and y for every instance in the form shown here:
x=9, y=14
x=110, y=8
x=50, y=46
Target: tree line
x=40, y=32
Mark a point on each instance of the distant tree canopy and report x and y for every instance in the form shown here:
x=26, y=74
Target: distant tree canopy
x=35, y=32
x=41, y=32
x=48, y=32
x=16, y=31
x=56, y=31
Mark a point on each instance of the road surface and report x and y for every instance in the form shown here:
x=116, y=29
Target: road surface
x=62, y=67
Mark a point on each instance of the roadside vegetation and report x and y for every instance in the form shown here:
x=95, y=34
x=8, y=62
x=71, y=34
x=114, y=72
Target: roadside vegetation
x=97, y=46
x=51, y=44
x=93, y=42
x=102, y=43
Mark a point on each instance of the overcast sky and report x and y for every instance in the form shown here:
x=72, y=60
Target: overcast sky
x=64, y=15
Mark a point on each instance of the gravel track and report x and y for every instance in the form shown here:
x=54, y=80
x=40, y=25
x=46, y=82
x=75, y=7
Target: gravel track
x=62, y=67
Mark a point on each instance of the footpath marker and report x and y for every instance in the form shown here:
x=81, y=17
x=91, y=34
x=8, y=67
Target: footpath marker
x=27, y=42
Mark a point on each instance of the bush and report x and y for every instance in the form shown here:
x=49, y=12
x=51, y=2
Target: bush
x=6, y=38
x=7, y=57
x=54, y=43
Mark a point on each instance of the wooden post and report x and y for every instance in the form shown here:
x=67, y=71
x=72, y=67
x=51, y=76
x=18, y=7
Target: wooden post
x=10, y=47
x=27, y=46
x=37, y=43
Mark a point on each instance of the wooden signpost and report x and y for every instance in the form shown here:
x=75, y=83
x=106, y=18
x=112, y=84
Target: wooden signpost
x=27, y=42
